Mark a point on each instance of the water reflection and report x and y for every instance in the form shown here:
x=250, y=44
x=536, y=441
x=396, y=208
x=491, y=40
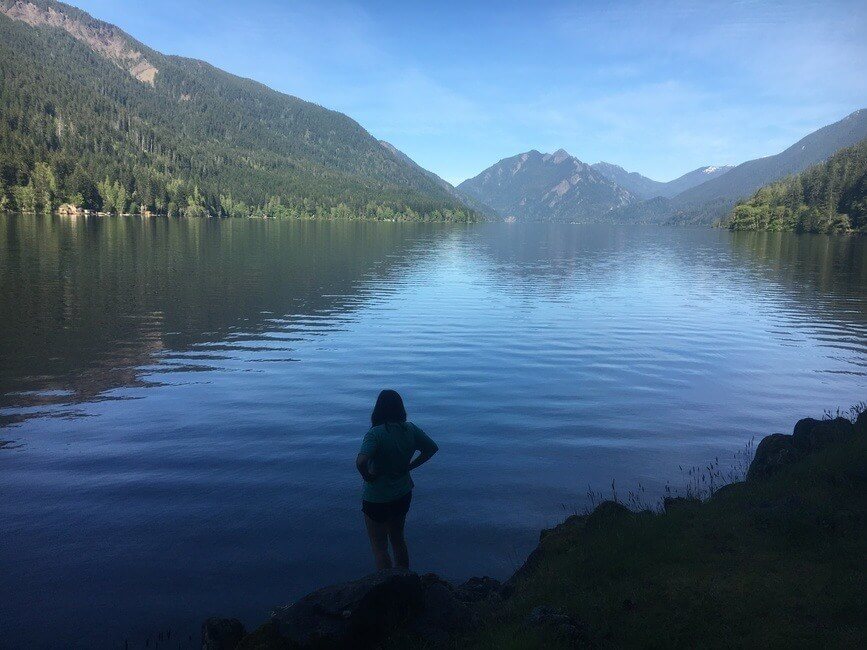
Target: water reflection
x=88, y=302
x=187, y=396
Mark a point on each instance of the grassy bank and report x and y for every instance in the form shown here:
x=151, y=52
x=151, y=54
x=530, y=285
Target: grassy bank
x=775, y=560
x=772, y=562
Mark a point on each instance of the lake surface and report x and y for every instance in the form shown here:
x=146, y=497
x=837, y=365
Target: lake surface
x=184, y=400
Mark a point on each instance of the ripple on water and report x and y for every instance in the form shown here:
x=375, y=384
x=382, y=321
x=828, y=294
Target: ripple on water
x=186, y=431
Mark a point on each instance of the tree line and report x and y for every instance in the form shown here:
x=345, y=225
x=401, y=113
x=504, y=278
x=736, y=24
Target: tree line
x=77, y=128
x=830, y=197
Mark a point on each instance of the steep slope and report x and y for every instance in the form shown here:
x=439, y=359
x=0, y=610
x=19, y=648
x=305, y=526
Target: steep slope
x=709, y=201
x=484, y=210
x=546, y=187
x=647, y=188
x=177, y=135
x=694, y=178
x=637, y=184
x=828, y=197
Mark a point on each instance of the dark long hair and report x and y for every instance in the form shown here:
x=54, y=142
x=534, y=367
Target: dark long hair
x=388, y=408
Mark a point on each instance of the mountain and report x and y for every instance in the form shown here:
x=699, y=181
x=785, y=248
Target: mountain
x=694, y=178
x=828, y=197
x=647, y=188
x=90, y=115
x=533, y=186
x=712, y=200
x=484, y=210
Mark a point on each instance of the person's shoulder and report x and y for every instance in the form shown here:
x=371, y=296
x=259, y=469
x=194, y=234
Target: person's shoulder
x=413, y=427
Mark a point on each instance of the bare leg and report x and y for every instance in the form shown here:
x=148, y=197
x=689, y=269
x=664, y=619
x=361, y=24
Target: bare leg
x=378, y=534
x=398, y=542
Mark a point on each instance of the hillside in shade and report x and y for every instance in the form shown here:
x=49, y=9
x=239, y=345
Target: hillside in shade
x=466, y=199
x=91, y=116
x=533, y=186
x=828, y=197
x=709, y=202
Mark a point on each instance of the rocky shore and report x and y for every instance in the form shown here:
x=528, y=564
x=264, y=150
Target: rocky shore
x=617, y=577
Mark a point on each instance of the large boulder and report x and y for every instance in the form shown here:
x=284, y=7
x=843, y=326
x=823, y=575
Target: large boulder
x=222, y=633
x=608, y=513
x=477, y=590
x=774, y=451
x=443, y=613
x=354, y=614
x=811, y=435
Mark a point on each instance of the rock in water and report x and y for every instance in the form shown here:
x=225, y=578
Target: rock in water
x=774, y=451
x=353, y=614
x=811, y=435
x=222, y=633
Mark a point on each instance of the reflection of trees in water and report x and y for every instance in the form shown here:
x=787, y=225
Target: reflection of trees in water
x=551, y=259
x=825, y=274
x=87, y=302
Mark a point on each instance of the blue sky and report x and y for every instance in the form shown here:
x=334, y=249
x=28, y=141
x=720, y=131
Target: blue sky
x=658, y=87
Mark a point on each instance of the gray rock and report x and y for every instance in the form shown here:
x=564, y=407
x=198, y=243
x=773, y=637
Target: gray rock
x=354, y=614
x=804, y=426
x=811, y=435
x=572, y=521
x=222, y=633
x=608, y=512
x=443, y=614
x=774, y=451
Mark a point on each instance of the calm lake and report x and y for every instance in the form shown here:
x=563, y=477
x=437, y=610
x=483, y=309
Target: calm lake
x=182, y=401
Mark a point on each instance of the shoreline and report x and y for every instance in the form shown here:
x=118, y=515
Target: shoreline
x=396, y=608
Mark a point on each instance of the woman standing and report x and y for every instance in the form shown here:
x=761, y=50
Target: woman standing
x=384, y=462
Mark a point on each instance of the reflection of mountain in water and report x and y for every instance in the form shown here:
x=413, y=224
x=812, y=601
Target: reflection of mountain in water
x=86, y=303
x=98, y=304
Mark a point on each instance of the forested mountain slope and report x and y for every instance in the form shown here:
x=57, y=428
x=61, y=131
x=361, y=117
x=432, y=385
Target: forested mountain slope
x=709, y=201
x=90, y=115
x=463, y=197
x=828, y=197
x=712, y=200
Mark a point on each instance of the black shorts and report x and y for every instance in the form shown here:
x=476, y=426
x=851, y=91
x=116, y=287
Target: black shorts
x=382, y=512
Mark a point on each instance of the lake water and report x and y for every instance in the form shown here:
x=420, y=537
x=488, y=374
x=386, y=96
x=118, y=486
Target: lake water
x=183, y=400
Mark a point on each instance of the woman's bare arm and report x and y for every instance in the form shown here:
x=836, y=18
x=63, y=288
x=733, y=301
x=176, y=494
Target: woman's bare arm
x=423, y=457
x=362, y=464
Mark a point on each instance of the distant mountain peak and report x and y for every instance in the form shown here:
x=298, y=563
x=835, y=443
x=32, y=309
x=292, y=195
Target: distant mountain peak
x=647, y=188
x=607, y=165
x=558, y=156
x=546, y=187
